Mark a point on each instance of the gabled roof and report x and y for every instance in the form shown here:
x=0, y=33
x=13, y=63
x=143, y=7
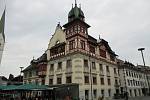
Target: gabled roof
x=30, y=67
x=34, y=62
x=92, y=39
x=105, y=43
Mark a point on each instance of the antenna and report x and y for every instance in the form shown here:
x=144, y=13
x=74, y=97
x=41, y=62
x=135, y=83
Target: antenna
x=80, y=6
x=99, y=37
x=75, y=2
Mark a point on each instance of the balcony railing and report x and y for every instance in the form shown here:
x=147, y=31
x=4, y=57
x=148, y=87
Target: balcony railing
x=51, y=72
x=117, y=85
x=42, y=73
x=58, y=71
x=101, y=72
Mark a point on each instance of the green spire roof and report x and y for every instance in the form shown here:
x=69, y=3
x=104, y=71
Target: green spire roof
x=76, y=13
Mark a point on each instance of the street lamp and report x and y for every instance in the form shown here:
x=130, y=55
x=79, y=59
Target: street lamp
x=141, y=50
x=21, y=70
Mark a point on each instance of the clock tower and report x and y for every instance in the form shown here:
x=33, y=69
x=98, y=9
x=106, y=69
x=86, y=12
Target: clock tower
x=76, y=30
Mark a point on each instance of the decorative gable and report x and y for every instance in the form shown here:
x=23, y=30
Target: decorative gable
x=58, y=37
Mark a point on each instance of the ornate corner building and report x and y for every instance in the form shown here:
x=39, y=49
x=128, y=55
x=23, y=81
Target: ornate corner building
x=76, y=57
x=73, y=56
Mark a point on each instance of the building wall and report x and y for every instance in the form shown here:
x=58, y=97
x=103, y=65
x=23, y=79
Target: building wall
x=139, y=78
x=78, y=72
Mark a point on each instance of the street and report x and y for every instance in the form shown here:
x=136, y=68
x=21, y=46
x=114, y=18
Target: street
x=137, y=98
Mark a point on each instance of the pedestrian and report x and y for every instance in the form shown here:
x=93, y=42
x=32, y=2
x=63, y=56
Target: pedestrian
x=126, y=96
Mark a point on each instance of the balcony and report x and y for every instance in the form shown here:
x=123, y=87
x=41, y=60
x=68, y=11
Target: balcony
x=117, y=85
x=59, y=71
x=94, y=71
x=51, y=72
x=42, y=73
x=101, y=72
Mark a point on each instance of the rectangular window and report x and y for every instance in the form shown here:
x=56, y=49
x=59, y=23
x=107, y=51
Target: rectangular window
x=115, y=71
x=82, y=44
x=126, y=72
x=71, y=44
x=58, y=80
x=86, y=94
x=101, y=68
x=116, y=82
x=109, y=92
x=59, y=66
x=69, y=63
x=102, y=92
x=92, y=49
x=68, y=79
x=43, y=81
x=36, y=82
x=95, y=93
x=85, y=63
x=102, y=53
x=107, y=69
x=52, y=67
x=109, y=81
x=102, y=81
x=94, y=80
x=25, y=75
x=50, y=81
x=86, y=79
x=128, y=82
x=93, y=65
x=30, y=74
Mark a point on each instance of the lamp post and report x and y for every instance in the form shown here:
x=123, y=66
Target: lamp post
x=141, y=50
x=21, y=70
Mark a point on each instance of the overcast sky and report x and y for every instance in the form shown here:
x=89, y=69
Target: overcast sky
x=125, y=24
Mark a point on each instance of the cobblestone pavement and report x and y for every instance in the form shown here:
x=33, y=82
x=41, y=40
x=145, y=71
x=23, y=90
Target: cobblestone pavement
x=137, y=98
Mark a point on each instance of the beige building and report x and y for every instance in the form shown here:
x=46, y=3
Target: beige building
x=134, y=79
x=36, y=71
x=76, y=57
x=73, y=56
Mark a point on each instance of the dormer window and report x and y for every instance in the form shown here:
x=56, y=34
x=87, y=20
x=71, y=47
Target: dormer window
x=102, y=53
x=92, y=49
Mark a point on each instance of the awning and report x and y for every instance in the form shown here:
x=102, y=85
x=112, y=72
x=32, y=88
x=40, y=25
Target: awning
x=25, y=87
